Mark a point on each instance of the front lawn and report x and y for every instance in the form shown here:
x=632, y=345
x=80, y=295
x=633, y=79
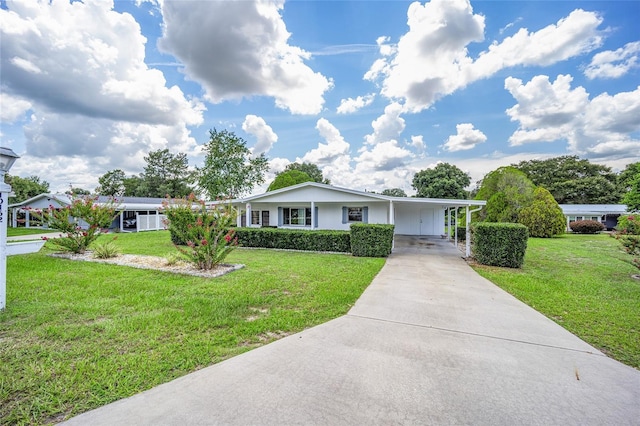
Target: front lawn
x=78, y=335
x=585, y=284
x=18, y=232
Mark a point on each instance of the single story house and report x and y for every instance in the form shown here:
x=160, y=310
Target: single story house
x=136, y=213
x=312, y=205
x=607, y=214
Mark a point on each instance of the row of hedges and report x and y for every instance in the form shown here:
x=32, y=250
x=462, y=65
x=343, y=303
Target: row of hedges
x=500, y=244
x=364, y=240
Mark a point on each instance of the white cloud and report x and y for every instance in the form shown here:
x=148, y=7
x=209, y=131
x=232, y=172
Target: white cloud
x=335, y=150
x=384, y=156
x=418, y=143
x=601, y=127
x=466, y=137
x=240, y=49
x=437, y=40
x=388, y=126
x=614, y=63
x=350, y=105
x=12, y=108
x=257, y=127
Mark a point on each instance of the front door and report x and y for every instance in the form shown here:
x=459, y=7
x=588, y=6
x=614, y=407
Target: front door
x=427, y=221
x=265, y=217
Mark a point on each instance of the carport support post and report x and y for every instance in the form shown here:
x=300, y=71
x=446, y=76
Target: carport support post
x=467, y=233
x=448, y=223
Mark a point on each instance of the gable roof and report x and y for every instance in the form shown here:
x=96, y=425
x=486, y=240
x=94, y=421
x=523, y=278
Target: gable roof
x=593, y=209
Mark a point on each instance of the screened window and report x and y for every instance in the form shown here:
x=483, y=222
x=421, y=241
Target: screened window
x=296, y=216
x=255, y=217
x=354, y=214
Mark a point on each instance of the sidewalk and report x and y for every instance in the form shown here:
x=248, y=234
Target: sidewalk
x=429, y=342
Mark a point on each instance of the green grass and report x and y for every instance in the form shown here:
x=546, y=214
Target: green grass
x=18, y=232
x=78, y=335
x=585, y=284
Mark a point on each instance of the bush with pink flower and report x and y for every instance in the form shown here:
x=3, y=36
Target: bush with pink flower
x=80, y=223
x=207, y=231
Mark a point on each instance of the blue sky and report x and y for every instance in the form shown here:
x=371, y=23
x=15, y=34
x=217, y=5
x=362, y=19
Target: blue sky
x=371, y=91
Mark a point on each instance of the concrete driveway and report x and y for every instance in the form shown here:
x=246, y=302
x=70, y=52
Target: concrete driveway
x=429, y=342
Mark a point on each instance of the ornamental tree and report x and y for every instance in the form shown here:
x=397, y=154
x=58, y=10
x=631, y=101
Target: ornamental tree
x=289, y=178
x=443, y=181
x=80, y=223
x=543, y=216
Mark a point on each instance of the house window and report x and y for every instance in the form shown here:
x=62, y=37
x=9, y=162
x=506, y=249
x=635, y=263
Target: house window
x=255, y=217
x=354, y=214
x=296, y=216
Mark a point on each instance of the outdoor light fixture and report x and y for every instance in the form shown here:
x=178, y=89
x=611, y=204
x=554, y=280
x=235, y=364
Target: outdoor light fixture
x=7, y=158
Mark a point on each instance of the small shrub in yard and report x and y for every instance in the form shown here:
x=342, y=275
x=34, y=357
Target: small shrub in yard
x=499, y=244
x=543, y=216
x=629, y=224
x=586, y=226
x=106, y=249
x=179, y=213
x=77, y=236
x=462, y=233
x=371, y=240
x=209, y=236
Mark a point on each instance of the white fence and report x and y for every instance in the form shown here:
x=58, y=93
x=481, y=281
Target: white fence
x=149, y=222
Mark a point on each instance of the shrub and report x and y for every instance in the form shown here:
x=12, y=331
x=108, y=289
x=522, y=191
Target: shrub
x=499, y=244
x=209, y=237
x=80, y=222
x=629, y=224
x=294, y=239
x=586, y=226
x=106, y=249
x=543, y=216
x=371, y=240
x=462, y=233
x=179, y=213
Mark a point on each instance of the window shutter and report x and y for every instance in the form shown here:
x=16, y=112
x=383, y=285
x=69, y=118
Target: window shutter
x=344, y=215
x=279, y=216
x=365, y=215
x=315, y=217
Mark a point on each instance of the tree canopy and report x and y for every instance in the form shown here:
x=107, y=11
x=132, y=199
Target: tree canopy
x=25, y=188
x=289, y=178
x=572, y=180
x=443, y=181
x=229, y=170
x=166, y=174
x=111, y=183
x=394, y=192
x=506, y=191
x=543, y=216
x=310, y=169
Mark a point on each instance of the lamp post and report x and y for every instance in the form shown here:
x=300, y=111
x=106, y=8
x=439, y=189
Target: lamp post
x=7, y=158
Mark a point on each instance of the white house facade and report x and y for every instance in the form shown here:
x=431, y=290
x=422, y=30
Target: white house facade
x=607, y=214
x=312, y=205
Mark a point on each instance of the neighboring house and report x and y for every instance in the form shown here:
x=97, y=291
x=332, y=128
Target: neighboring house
x=607, y=214
x=312, y=205
x=136, y=213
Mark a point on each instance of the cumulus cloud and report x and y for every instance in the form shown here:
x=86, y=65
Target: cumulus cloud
x=384, y=156
x=237, y=49
x=350, y=105
x=466, y=137
x=93, y=103
x=601, y=127
x=388, y=126
x=614, y=63
x=418, y=143
x=437, y=39
x=265, y=135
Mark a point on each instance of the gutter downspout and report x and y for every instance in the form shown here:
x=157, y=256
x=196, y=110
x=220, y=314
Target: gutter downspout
x=468, y=230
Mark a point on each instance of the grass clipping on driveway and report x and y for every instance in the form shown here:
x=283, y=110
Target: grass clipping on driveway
x=78, y=335
x=585, y=284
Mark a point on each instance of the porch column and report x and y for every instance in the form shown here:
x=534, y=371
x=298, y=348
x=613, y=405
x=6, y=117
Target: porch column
x=468, y=232
x=249, y=215
x=157, y=220
x=455, y=231
x=313, y=214
x=568, y=229
x=448, y=223
x=14, y=218
x=239, y=217
x=122, y=220
x=27, y=219
x=392, y=213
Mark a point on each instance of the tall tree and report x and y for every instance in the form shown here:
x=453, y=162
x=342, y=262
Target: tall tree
x=229, y=170
x=443, y=181
x=166, y=174
x=627, y=176
x=111, y=183
x=133, y=186
x=632, y=197
x=289, y=178
x=543, y=216
x=506, y=190
x=572, y=180
x=25, y=188
x=76, y=192
x=310, y=169
x=394, y=192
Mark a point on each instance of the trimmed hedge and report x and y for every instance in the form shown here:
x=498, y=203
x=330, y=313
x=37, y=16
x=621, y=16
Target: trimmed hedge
x=586, y=226
x=294, y=239
x=462, y=233
x=499, y=244
x=371, y=240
